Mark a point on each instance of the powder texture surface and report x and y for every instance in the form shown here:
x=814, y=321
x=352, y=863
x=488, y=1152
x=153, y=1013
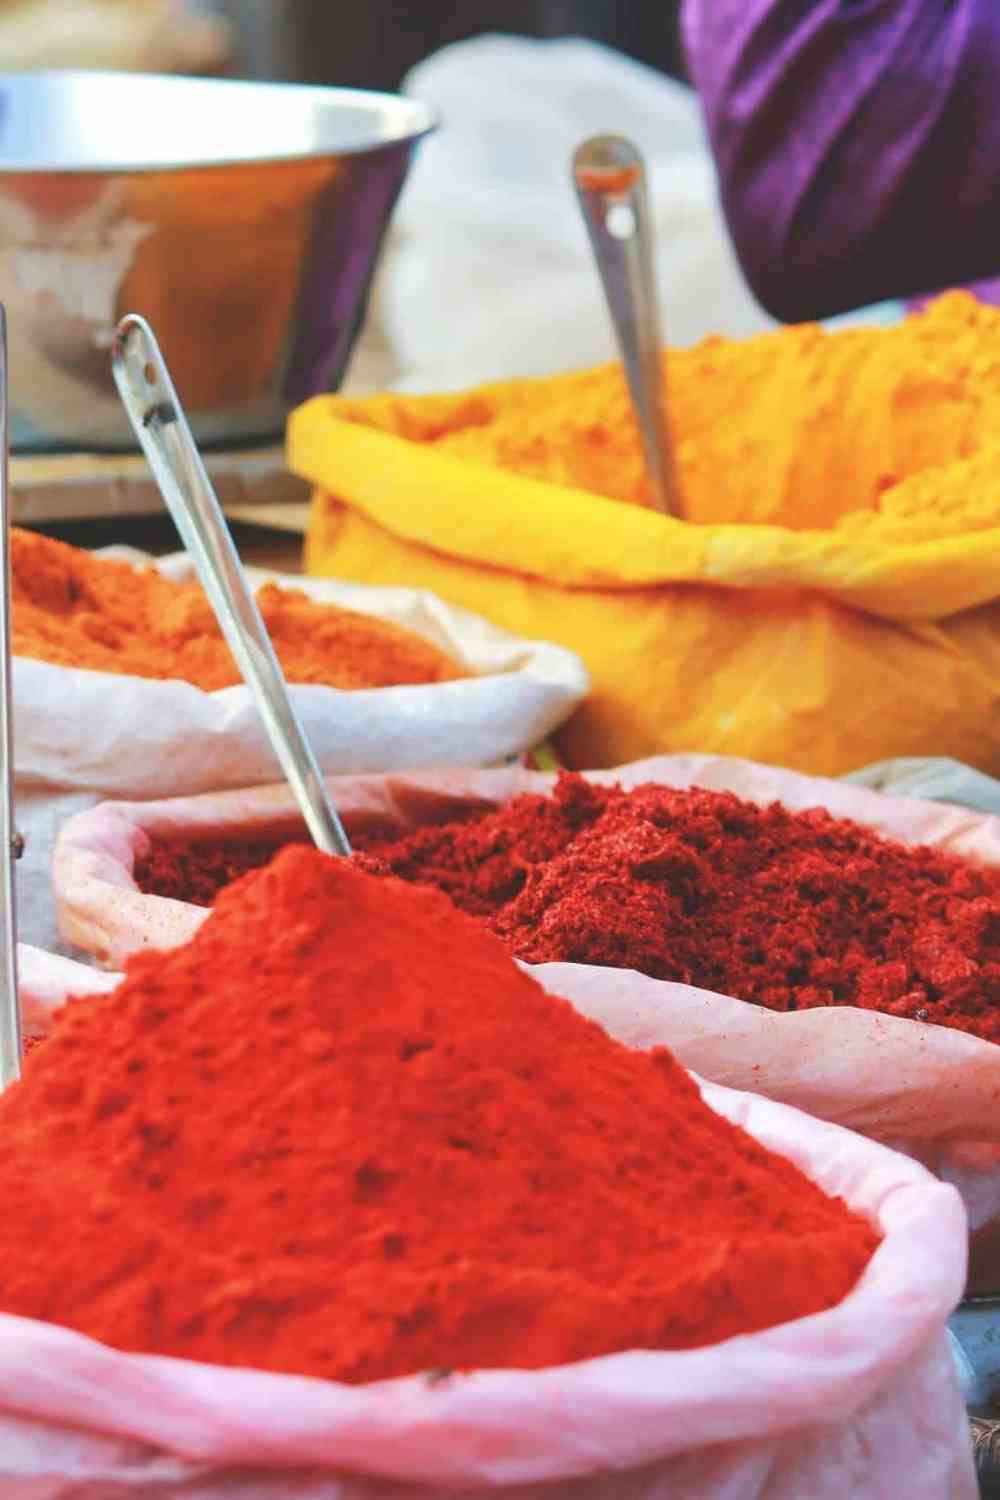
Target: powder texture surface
x=197, y=872
x=341, y=1133
x=790, y=910
x=787, y=909
x=800, y=427
x=78, y=610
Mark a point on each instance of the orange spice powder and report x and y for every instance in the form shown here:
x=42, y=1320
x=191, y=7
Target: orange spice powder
x=887, y=429
x=78, y=610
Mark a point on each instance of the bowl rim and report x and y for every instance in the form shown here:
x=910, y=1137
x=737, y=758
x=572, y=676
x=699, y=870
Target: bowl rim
x=403, y=120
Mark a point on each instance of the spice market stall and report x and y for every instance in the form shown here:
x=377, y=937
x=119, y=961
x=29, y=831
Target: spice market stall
x=417, y=1288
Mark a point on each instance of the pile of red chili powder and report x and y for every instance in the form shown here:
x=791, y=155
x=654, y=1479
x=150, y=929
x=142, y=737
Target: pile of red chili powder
x=341, y=1133
x=787, y=909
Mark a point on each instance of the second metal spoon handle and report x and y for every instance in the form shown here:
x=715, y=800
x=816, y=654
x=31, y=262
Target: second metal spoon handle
x=148, y=394
x=610, y=181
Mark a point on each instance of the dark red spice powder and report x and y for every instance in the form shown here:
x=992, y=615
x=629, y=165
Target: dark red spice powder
x=787, y=909
x=197, y=872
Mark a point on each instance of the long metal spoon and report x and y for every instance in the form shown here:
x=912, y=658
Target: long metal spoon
x=157, y=416
x=10, y=1010
x=610, y=180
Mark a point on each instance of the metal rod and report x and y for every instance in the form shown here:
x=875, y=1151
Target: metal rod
x=10, y=842
x=610, y=180
x=157, y=416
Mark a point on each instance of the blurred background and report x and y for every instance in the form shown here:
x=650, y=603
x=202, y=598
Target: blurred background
x=375, y=45
x=482, y=270
x=369, y=46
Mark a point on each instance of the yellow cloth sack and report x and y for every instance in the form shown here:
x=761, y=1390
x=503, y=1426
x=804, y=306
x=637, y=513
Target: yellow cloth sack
x=831, y=597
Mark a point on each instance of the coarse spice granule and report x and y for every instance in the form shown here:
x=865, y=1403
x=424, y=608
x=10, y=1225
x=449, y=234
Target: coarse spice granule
x=786, y=909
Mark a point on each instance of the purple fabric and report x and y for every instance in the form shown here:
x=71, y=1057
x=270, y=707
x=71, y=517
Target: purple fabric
x=857, y=143
x=984, y=291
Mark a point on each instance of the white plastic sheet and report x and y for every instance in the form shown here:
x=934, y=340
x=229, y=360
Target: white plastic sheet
x=81, y=736
x=45, y=981
x=938, y=778
x=862, y=1400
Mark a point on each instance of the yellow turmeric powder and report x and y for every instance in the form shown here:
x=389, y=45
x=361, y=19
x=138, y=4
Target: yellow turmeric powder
x=801, y=427
x=78, y=610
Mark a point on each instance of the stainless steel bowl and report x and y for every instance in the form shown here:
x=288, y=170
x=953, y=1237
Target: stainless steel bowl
x=244, y=220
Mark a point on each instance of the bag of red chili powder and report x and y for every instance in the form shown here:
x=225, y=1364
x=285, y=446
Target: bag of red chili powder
x=858, y=1401
x=334, y=1202
x=931, y=1089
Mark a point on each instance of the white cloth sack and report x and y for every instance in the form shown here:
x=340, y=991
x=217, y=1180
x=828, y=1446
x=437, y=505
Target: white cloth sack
x=862, y=1400
x=489, y=222
x=929, y=1090
x=81, y=736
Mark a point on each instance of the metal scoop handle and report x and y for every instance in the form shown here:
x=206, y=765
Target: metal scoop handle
x=610, y=180
x=10, y=1011
x=157, y=416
